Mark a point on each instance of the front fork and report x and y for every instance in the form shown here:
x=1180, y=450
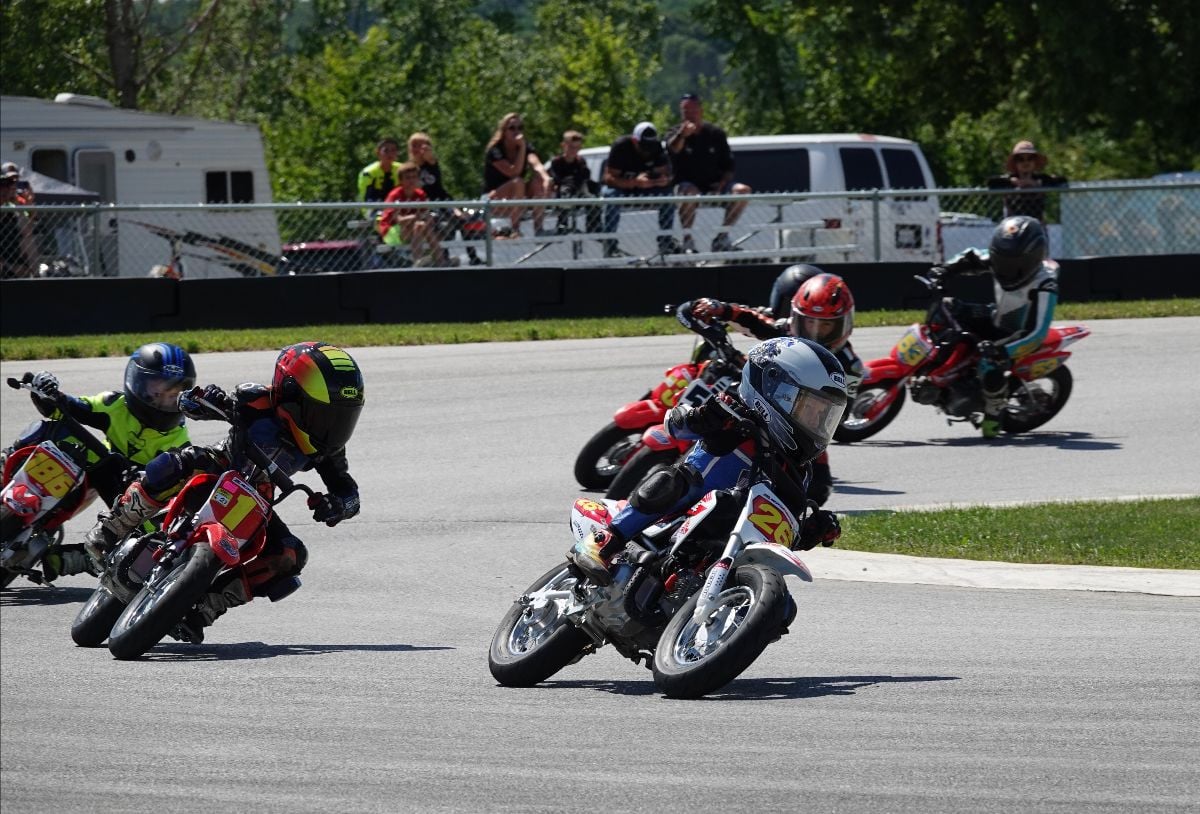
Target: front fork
x=718, y=575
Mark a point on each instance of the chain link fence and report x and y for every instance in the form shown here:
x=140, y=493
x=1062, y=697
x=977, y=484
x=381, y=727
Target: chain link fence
x=199, y=241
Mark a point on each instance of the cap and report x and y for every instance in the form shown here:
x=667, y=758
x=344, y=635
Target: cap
x=690, y=97
x=1025, y=147
x=645, y=132
x=9, y=170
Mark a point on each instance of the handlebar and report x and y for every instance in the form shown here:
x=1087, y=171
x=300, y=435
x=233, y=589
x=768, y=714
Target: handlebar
x=84, y=434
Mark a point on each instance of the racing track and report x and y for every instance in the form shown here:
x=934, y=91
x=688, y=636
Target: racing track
x=369, y=691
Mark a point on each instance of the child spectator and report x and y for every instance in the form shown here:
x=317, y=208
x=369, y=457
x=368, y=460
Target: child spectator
x=413, y=227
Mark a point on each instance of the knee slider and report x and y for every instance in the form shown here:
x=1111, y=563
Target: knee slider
x=662, y=489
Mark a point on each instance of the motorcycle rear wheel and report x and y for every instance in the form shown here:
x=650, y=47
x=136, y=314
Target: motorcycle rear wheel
x=604, y=455
x=854, y=426
x=693, y=660
x=1041, y=400
x=532, y=645
x=96, y=618
x=157, y=608
x=639, y=465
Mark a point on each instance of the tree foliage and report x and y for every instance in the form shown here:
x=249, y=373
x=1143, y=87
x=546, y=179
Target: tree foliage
x=1106, y=87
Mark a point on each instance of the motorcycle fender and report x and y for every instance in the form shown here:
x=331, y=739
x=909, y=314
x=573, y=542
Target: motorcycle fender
x=657, y=438
x=882, y=370
x=1062, y=335
x=221, y=541
x=637, y=415
x=775, y=557
x=1039, y=365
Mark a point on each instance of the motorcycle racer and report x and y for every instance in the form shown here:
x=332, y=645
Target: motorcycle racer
x=138, y=422
x=798, y=389
x=302, y=421
x=1015, y=325
x=822, y=310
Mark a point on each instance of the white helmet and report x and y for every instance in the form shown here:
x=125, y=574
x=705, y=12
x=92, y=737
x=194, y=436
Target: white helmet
x=799, y=389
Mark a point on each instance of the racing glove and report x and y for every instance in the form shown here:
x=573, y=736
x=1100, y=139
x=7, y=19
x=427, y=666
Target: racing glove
x=331, y=509
x=45, y=391
x=191, y=406
x=965, y=261
x=821, y=527
x=708, y=310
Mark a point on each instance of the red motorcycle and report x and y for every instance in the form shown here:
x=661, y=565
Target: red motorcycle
x=620, y=440
x=216, y=523
x=937, y=359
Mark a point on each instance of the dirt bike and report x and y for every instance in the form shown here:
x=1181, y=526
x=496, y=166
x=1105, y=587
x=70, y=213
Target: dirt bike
x=217, y=522
x=45, y=485
x=656, y=448
x=936, y=360
x=697, y=597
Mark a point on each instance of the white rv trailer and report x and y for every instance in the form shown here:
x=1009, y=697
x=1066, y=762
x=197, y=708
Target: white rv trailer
x=131, y=157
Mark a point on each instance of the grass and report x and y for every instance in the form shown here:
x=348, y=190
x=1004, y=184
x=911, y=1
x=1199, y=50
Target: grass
x=19, y=348
x=1139, y=534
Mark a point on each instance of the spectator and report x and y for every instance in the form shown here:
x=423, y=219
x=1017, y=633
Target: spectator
x=571, y=179
x=18, y=256
x=410, y=226
x=446, y=221
x=638, y=165
x=24, y=188
x=703, y=166
x=379, y=178
x=508, y=161
x=1024, y=165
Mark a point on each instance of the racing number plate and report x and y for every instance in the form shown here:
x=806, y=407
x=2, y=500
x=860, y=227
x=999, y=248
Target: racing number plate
x=912, y=349
x=51, y=474
x=238, y=506
x=696, y=394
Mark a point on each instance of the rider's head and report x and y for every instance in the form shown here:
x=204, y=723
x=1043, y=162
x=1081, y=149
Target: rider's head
x=799, y=389
x=317, y=392
x=154, y=377
x=1017, y=250
x=787, y=284
x=823, y=311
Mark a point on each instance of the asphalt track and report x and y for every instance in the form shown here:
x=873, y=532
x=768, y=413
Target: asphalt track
x=368, y=690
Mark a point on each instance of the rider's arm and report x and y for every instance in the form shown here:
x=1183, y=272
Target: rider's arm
x=969, y=262
x=335, y=474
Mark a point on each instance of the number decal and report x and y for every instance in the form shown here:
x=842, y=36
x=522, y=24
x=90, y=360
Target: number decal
x=49, y=474
x=767, y=518
x=233, y=518
x=911, y=349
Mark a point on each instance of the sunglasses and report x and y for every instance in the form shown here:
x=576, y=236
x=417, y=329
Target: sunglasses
x=515, y=127
x=1026, y=157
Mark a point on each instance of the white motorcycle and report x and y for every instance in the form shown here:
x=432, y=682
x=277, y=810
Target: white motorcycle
x=697, y=596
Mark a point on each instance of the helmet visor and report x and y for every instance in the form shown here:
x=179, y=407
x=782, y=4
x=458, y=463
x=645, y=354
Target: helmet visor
x=329, y=426
x=815, y=413
x=825, y=332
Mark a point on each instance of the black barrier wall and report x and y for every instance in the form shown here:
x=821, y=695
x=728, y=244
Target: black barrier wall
x=60, y=307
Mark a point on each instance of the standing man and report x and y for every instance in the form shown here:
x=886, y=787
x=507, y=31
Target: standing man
x=638, y=165
x=703, y=166
x=18, y=255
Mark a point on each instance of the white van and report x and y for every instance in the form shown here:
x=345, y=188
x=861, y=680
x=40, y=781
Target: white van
x=829, y=227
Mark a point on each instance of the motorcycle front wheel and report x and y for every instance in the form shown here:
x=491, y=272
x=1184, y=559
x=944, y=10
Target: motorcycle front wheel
x=603, y=456
x=639, y=465
x=96, y=618
x=157, y=608
x=531, y=644
x=856, y=425
x=693, y=659
x=1036, y=402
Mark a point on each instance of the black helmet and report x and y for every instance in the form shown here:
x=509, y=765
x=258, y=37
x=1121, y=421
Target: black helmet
x=787, y=284
x=1017, y=251
x=317, y=391
x=154, y=377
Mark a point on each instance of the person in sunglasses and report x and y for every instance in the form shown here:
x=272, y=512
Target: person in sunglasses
x=512, y=170
x=1023, y=172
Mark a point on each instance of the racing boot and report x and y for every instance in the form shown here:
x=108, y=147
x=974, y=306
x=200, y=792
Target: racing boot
x=993, y=406
x=131, y=510
x=594, y=555
x=227, y=592
x=65, y=561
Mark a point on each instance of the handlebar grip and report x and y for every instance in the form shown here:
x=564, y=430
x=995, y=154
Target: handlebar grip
x=15, y=384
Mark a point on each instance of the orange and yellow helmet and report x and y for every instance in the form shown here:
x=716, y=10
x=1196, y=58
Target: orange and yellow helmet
x=318, y=393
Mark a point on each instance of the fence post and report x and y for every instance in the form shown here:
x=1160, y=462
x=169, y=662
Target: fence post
x=875, y=200
x=97, y=259
x=487, y=233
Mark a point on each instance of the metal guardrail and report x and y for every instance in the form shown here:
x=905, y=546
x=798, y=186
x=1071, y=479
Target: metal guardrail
x=223, y=240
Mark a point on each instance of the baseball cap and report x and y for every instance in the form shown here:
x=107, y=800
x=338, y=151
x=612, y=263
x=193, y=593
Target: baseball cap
x=10, y=170
x=645, y=132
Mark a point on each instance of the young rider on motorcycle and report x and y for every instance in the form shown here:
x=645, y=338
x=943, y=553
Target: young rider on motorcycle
x=138, y=423
x=822, y=309
x=1015, y=325
x=798, y=389
x=301, y=421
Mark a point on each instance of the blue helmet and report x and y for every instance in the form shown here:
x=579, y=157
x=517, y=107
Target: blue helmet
x=154, y=377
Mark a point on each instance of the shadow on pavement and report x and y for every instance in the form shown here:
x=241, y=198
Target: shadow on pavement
x=43, y=595
x=757, y=689
x=177, y=651
x=1067, y=441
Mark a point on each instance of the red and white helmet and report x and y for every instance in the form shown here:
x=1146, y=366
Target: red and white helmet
x=823, y=311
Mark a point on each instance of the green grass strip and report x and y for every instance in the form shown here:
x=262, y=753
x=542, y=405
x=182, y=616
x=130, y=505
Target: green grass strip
x=1137, y=534
x=356, y=336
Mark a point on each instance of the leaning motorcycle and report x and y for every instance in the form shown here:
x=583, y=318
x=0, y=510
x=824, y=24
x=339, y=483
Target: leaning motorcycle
x=697, y=597
x=935, y=362
x=44, y=485
x=216, y=523
x=656, y=448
